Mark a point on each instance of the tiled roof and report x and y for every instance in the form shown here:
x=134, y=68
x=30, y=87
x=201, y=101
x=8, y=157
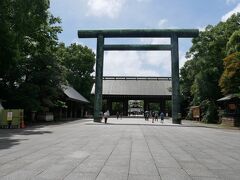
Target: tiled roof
x=72, y=94
x=140, y=86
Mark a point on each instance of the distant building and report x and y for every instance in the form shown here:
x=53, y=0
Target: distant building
x=74, y=104
x=149, y=89
x=135, y=107
x=230, y=110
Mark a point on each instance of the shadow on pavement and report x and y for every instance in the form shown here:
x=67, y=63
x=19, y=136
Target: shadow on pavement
x=54, y=123
x=13, y=137
x=7, y=139
x=8, y=143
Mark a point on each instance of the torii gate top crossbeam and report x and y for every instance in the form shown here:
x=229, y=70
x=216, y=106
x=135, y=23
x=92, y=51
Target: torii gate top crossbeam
x=135, y=33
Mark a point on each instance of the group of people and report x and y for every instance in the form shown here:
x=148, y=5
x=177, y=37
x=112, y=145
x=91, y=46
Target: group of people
x=154, y=116
x=147, y=115
x=106, y=115
x=119, y=115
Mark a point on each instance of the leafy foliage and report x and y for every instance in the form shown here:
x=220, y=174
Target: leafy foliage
x=209, y=111
x=230, y=79
x=32, y=68
x=233, y=44
x=200, y=75
x=78, y=61
x=9, y=52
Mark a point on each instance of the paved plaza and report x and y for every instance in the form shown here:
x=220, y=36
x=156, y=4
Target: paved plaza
x=130, y=148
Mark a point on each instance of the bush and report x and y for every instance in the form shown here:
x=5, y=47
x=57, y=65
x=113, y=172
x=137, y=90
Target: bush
x=210, y=113
x=189, y=115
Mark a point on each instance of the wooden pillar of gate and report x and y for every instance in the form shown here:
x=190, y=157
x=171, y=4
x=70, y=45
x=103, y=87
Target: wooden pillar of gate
x=98, y=79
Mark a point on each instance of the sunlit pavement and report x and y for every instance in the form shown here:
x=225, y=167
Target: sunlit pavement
x=134, y=120
x=127, y=148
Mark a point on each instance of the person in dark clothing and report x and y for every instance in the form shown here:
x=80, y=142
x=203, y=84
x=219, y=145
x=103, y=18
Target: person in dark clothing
x=9, y=124
x=146, y=115
x=153, y=116
x=156, y=116
x=162, y=117
x=117, y=115
x=121, y=115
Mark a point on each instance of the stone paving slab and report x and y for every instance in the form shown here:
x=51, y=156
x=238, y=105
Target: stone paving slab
x=174, y=174
x=122, y=149
x=81, y=175
x=140, y=121
x=143, y=177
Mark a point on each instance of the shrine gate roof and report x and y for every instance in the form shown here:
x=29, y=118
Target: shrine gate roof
x=136, y=86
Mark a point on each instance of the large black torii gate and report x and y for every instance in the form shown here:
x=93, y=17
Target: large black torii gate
x=173, y=34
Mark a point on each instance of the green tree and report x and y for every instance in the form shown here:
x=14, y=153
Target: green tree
x=32, y=74
x=233, y=44
x=78, y=61
x=230, y=79
x=205, y=66
x=38, y=66
x=186, y=80
x=9, y=52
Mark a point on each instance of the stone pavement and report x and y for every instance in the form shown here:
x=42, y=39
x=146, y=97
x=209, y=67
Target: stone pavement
x=124, y=149
x=134, y=120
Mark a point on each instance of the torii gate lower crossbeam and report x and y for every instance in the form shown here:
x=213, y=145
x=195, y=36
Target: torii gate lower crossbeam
x=173, y=34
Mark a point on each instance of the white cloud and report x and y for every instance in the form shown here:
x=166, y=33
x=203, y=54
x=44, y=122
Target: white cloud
x=155, y=40
x=201, y=28
x=137, y=63
x=231, y=1
x=182, y=59
x=133, y=63
x=126, y=63
x=159, y=59
x=106, y=8
x=230, y=13
x=77, y=41
x=162, y=23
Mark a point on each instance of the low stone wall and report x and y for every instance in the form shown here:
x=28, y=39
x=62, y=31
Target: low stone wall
x=231, y=121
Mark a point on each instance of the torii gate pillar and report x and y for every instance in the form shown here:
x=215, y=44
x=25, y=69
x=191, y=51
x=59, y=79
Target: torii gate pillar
x=175, y=80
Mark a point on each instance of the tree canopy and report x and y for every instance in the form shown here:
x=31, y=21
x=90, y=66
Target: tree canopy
x=78, y=61
x=230, y=79
x=201, y=73
x=32, y=68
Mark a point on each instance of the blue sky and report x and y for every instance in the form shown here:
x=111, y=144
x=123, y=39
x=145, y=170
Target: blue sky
x=132, y=14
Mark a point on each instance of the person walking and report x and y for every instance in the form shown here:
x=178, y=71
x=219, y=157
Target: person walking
x=9, y=122
x=9, y=119
x=156, y=116
x=162, y=117
x=146, y=115
x=121, y=115
x=117, y=115
x=106, y=115
x=153, y=116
